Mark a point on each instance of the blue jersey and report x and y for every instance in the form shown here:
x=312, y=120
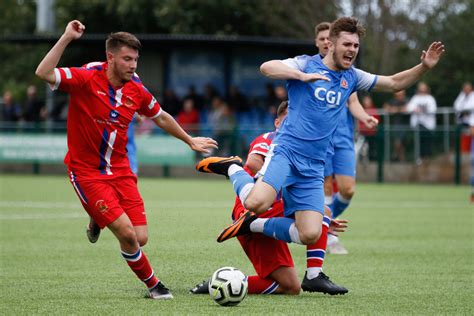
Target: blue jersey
x=316, y=108
x=344, y=135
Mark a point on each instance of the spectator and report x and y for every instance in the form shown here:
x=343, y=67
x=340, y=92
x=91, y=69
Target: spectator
x=35, y=110
x=198, y=99
x=209, y=93
x=188, y=117
x=270, y=98
x=171, y=102
x=222, y=121
x=11, y=111
x=396, y=108
x=237, y=101
x=422, y=107
x=370, y=134
x=464, y=105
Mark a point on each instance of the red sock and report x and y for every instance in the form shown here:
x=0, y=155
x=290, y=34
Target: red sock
x=315, y=252
x=140, y=265
x=257, y=285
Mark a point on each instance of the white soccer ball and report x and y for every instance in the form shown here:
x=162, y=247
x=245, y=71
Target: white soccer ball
x=228, y=286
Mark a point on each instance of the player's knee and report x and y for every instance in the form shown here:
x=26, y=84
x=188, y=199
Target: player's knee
x=348, y=192
x=142, y=240
x=128, y=236
x=256, y=204
x=292, y=289
x=310, y=236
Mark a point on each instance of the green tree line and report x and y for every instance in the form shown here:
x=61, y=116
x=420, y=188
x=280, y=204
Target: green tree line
x=397, y=30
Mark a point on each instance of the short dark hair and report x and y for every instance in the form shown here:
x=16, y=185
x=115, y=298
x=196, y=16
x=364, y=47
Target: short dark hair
x=282, y=108
x=116, y=40
x=346, y=24
x=323, y=26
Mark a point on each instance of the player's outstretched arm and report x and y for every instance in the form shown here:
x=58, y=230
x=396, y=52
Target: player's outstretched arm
x=405, y=79
x=45, y=70
x=276, y=69
x=359, y=113
x=201, y=144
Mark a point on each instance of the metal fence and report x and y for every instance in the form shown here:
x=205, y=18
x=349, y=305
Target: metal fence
x=418, y=144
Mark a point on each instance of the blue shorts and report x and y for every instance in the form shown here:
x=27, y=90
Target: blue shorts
x=300, y=178
x=340, y=161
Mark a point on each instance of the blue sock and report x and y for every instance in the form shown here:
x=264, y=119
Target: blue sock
x=339, y=205
x=278, y=228
x=242, y=183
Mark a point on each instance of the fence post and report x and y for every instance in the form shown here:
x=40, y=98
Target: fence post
x=380, y=153
x=457, y=153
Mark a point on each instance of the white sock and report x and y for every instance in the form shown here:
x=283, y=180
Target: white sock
x=257, y=225
x=313, y=272
x=233, y=169
x=294, y=235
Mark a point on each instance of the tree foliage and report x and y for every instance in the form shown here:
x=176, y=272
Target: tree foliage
x=397, y=30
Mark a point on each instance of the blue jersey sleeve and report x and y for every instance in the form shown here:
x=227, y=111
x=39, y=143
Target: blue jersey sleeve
x=298, y=62
x=365, y=81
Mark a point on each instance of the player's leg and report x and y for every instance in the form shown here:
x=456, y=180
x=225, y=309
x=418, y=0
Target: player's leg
x=315, y=280
x=328, y=179
x=135, y=257
x=132, y=203
x=92, y=229
x=345, y=172
x=142, y=234
x=328, y=191
x=342, y=199
x=287, y=279
x=257, y=197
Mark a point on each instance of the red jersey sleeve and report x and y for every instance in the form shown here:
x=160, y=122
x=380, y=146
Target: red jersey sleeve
x=149, y=106
x=69, y=79
x=261, y=145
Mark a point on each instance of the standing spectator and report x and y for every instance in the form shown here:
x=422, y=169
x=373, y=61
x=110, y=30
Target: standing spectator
x=188, y=117
x=171, y=102
x=369, y=133
x=396, y=108
x=422, y=107
x=464, y=105
x=11, y=111
x=35, y=110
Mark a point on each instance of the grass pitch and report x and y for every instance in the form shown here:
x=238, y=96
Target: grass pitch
x=411, y=252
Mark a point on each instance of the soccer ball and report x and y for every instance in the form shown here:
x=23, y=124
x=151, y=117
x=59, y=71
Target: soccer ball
x=228, y=286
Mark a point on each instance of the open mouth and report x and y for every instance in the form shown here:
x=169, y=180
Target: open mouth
x=348, y=59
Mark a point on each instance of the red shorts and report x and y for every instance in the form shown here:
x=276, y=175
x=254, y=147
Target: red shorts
x=265, y=253
x=106, y=200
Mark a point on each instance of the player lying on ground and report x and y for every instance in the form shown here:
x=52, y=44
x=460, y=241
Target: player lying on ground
x=271, y=258
x=318, y=89
x=103, y=100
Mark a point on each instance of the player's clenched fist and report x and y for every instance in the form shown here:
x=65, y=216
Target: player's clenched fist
x=74, y=29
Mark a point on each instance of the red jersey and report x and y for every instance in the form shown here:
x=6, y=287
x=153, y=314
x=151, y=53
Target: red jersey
x=260, y=146
x=98, y=119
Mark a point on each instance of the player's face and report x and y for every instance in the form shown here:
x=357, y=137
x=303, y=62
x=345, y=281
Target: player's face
x=344, y=50
x=322, y=42
x=123, y=63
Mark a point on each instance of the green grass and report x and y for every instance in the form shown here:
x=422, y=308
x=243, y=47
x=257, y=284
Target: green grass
x=411, y=252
